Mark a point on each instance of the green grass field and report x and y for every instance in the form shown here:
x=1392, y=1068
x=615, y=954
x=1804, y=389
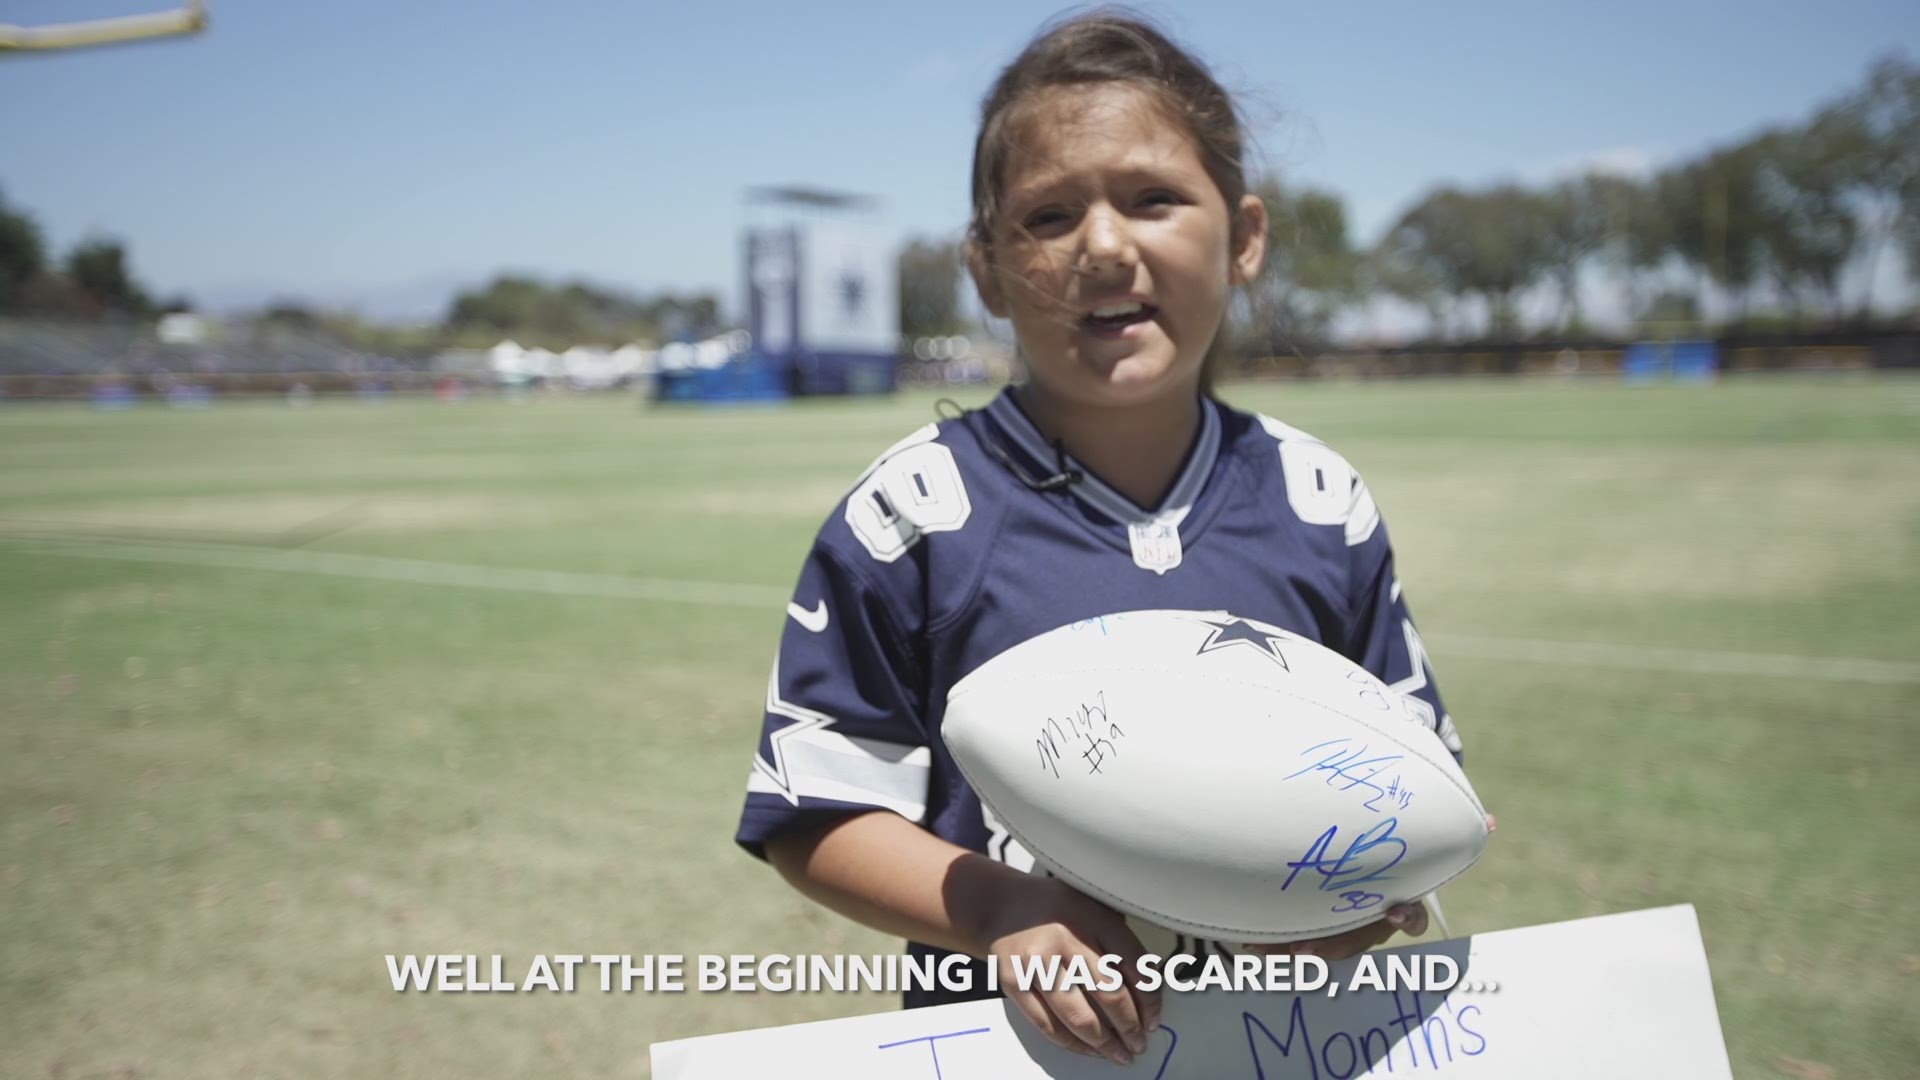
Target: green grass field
x=288, y=690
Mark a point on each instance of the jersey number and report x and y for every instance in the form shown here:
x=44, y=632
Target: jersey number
x=914, y=492
x=1319, y=482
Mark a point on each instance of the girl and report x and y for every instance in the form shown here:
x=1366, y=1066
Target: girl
x=1111, y=221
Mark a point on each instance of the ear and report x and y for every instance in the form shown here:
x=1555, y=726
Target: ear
x=1249, y=240
x=984, y=281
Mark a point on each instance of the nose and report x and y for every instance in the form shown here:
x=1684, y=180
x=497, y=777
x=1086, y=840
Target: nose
x=1106, y=243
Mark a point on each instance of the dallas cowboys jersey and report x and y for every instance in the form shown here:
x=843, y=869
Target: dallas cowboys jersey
x=951, y=549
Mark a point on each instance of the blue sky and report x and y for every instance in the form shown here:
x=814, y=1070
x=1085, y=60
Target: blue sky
x=381, y=154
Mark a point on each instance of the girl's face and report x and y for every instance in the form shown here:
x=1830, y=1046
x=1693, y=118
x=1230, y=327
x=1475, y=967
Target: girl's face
x=1113, y=252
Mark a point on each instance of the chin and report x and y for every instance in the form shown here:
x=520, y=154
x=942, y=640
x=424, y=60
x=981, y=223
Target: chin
x=1130, y=392
x=1135, y=377
x=1136, y=380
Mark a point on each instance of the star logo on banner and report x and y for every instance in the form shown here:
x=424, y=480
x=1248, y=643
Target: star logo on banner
x=853, y=294
x=1232, y=630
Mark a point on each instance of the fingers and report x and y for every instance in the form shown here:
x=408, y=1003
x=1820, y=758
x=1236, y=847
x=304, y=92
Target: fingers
x=1118, y=938
x=1119, y=1014
x=1355, y=942
x=1035, y=1010
x=1102, y=1021
x=1098, y=1021
x=1112, y=1022
x=1067, y=1023
x=1145, y=1002
x=1076, y=1020
x=1341, y=946
x=1409, y=919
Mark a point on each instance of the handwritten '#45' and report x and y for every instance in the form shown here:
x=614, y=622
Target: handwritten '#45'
x=1367, y=858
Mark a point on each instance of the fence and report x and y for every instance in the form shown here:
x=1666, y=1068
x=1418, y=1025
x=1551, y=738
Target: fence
x=42, y=359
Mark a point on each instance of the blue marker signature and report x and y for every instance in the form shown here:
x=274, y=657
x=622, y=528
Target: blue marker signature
x=1367, y=859
x=933, y=1047
x=1342, y=762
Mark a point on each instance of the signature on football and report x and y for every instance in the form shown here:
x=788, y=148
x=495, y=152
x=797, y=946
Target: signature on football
x=1348, y=768
x=1365, y=861
x=1099, y=622
x=1086, y=734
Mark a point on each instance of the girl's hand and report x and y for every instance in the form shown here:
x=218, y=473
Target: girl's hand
x=1409, y=917
x=1042, y=917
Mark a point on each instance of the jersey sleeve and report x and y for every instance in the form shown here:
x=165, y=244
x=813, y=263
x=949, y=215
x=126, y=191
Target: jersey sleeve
x=842, y=731
x=1383, y=638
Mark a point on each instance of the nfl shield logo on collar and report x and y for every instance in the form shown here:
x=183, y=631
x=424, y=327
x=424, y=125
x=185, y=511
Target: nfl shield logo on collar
x=1156, y=545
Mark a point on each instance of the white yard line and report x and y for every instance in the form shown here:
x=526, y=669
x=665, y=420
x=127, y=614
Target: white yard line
x=412, y=571
x=566, y=583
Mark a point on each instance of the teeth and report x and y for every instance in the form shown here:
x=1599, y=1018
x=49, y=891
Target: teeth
x=1114, y=311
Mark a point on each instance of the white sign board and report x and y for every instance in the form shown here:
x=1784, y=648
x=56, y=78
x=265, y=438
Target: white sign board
x=1600, y=998
x=849, y=291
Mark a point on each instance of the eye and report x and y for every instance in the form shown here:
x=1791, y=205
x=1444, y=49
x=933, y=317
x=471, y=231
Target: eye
x=1043, y=219
x=1161, y=197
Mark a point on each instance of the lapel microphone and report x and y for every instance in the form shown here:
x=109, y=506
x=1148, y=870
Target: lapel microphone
x=1063, y=475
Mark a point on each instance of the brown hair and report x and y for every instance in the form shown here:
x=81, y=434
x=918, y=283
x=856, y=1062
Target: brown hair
x=1110, y=45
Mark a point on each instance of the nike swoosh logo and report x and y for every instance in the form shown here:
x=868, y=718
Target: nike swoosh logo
x=815, y=620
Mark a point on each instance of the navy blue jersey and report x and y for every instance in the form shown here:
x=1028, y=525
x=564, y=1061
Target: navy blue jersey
x=945, y=554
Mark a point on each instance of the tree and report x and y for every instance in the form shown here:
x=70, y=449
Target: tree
x=1414, y=282
x=1575, y=221
x=532, y=312
x=1422, y=257
x=1311, y=272
x=1639, y=235
x=1712, y=208
x=1807, y=230
x=683, y=316
x=511, y=305
x=293, y=315
x=23, y=256
x=1488, y=244
x=98, y=269
x=930, y=288
x=1772, y=207
x=1872, y=139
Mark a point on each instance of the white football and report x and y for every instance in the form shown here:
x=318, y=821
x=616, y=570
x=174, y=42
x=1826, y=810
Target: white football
x=1214, y=775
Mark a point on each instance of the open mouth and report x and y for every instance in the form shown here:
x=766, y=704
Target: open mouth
x=1116, y=318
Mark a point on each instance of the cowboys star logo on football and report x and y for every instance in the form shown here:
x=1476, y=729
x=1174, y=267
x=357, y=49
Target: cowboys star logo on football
x=1229, y=630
